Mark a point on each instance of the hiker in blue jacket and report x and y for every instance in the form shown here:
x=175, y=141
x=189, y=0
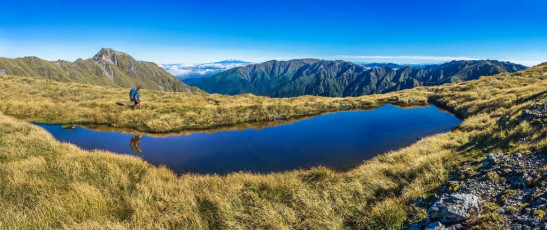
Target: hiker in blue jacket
x=135, y=96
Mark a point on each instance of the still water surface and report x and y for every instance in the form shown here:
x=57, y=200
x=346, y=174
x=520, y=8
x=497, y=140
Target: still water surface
x=339, y=140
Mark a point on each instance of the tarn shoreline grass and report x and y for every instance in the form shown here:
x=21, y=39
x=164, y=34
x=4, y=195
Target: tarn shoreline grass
x=47, y=184
x=43, y=101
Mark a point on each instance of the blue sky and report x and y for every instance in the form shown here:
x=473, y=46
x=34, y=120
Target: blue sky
x=202, y=31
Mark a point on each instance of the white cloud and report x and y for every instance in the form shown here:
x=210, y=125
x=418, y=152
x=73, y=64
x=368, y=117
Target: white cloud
x=187, y=70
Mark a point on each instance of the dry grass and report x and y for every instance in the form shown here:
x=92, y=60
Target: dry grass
x=47, y=184
x=54, y=102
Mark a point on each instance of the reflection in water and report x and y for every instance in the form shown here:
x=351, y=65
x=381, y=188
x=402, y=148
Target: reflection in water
x=134, y=143
x=339, y=140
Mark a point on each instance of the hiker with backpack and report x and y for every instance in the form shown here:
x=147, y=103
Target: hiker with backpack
x=135, y=96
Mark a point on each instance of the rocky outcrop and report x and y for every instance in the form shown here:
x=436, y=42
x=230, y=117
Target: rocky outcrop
x=536, y=115
x=515, y=185
x=510, y=190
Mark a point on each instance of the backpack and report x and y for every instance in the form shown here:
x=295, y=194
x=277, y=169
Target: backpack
x=132, y=94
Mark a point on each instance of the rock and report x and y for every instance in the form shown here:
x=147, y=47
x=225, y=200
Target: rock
x=525, y=180
x=455, y=208
x=435, y=226
x=534, y=221
x=535, y=115
x=529, y=177
x=443, y=189
x=419, y=201
x=414, y=226
x=493, y=159
x=439, y=226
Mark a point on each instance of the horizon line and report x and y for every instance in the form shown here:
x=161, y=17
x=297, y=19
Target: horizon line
x=395, y=59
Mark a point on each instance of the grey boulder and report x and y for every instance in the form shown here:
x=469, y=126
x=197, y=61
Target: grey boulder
x=455, y=208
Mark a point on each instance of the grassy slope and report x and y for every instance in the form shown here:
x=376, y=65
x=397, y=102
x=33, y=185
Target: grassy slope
x=127, y=73
x=49, y=184
x=54, y=102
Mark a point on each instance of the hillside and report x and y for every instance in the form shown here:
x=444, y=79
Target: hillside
x=340, y=78
x=107, y=68
x=47, y=184
x=46, y=101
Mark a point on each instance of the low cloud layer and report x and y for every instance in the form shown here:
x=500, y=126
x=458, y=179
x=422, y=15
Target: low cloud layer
x=185, y=71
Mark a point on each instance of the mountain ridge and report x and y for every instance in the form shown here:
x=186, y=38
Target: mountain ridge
x=106, y=68
x=390, y=64
x=337, y=78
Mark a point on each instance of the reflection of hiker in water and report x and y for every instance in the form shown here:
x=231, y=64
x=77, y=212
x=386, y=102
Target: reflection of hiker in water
x=135, y=142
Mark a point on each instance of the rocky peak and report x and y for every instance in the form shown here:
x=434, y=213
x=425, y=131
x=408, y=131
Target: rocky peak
x=107, y=55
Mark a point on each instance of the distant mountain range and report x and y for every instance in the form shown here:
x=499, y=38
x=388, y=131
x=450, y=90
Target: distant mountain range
x=188, y=71
x=371, y=65
x=107, y=68
x=340, y=78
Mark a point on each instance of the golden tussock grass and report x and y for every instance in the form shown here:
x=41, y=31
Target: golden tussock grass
x=55, y=102
x=47, y=184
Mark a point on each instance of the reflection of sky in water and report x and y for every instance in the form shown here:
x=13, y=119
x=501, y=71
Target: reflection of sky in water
x=338, y=140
